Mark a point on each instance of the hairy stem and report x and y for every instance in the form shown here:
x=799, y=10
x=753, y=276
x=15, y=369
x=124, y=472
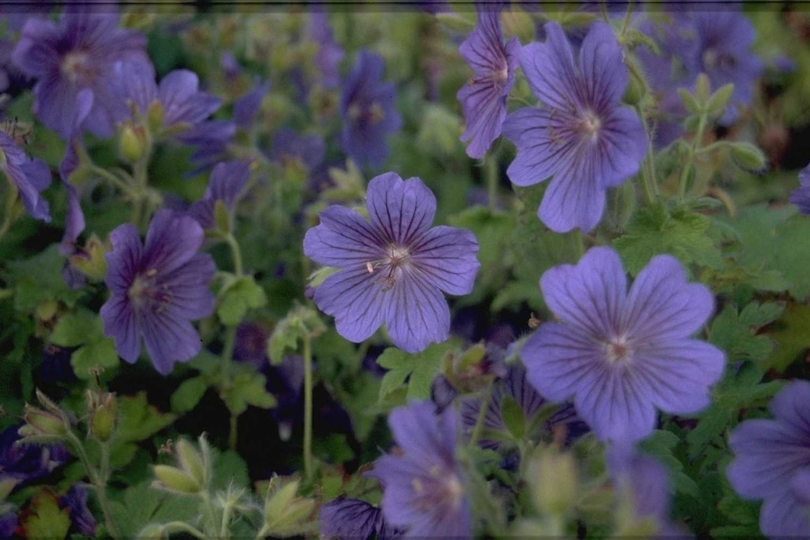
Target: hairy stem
x=690, y=156
x=307, y=353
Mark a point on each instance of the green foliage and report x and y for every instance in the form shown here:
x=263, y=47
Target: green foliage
x=38, y=280
x=792, y=334
x=247, y=388
x=238, y=296
x=418, y=368
x=84, y=329
x=46, y=519
x=137, y=421
x=680, y=232
x=736, y=333
x=666, y=447
x=141, y=504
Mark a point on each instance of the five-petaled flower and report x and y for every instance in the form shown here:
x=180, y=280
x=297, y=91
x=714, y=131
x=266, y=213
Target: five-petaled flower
x=621, y=355
x=424, y=488
x=158, y=289
x=393, y=269
x=773, y=463
x=483, y=98
x=583, y=136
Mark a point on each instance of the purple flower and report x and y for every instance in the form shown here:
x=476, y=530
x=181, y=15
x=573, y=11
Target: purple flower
x=246, y=107
x=226, y=185
x=8, y=523
x=515, y=386
x=157, y=290
x=75, y=500
x=369, y=111
x=29, y=176
x=619, y=355
x=724, y=42
x=772, y=462
x=801, y=195
x=393, y=269
x=584, y=137
x=27, y=462
x=74, y=223
x=289, y=147
x=423, y=487
x=329, y=54
x=352, y=519
x=178, y=96
x=483, y=98
x=77, y=54
x=211, y=139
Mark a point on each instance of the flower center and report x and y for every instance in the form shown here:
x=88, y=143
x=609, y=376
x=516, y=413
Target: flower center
x=441, y=490
x=392, y=264
x=370, y=114
x=617, y=351
x=714, y=60
x=76, y=67
x=145, y=291
x=590, y=124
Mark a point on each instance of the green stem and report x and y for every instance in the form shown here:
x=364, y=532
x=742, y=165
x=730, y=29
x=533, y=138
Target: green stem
x=212, y=512
x=114, y=180
x=579, y=242
x=307, y=353
x=491, y=166
x=262, y=532
x=649, y=182
x=225, y=379
x=236, y=253
x=224, y=531
x=479, y=421
x=690, y=156
x=185, y=527
x=99, y=481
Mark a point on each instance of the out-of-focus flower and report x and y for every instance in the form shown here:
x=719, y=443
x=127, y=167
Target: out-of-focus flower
x=157, y=290
x=226, y=185
x=368, y=109
x=393, y=269
x=27, y=462
x=29, y=176
x=290, y=147
x=81, y=520
x=424, y=492
x=801, y=195
x=329, y=53
x=247, y=106
x=483, y=98
x=772, y=462
x=77, y=54
x=621, y=355
x=583, y=137
x=352, y=519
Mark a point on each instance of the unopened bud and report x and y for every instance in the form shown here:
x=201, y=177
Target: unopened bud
x=553, y=478
x=131, y=144
x=42, y=425
x=173, y=479
x=103, y=409
x=91, y=260
x=286, y=514
x=191, y=461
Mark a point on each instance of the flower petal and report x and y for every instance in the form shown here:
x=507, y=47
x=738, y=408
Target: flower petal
x=604, y=75
x=446, y=257
x=343, y=239
x=121, y=324
x=575, y=197
x=549, y=69
x=169, y=340
x=416, y=314
x=790, y=406
x=356, y=300
x=784, y=516
x=124, y=261
x=402, y=210
x=171, y=241
x=541, y=153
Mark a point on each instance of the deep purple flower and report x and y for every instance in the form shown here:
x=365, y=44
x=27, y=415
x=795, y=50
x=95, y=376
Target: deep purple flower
x=29, y=176
x=8, y=524
x=75, y=500
x=27, y=462
x=515, y=386
x=289, y=146
x=483, y=98
x=178, y=96
x=724, y=55
x=74, y=222
x=329, y=53
x=424, y=491
x=393, y=269
x=157, y=289
x=368, y=109
x=621, y=355
x=211, y=139
x=226, y=184
x=801, y=195
x=772, y=460
x=353, y=519
x=646, y=482
x=246, y=107
x=77, y=54
x=583, y=137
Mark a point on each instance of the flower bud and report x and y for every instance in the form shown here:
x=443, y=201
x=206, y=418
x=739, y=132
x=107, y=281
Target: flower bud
x=131, y=144
x=42, y=426
x=286, y=514
x=174, y=479
x=90, y=261
x=552, y=476
x=102, y=408
x=191, y=461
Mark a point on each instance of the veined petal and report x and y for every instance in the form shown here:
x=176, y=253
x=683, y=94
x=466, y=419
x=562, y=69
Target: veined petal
x=169, y=340
x=604, y=75
x=182, y=102
x=550, y=70
x=446, y=257
x=542, y=149
x=171, y=241
x=356, y=300
x=402, y=210
x=621, y=146
x=783, y=516
x=663, y=306
x=124, y=261
x=574, y=198
x=187, y=288
x=416, y=313
x=343, y=239
x=427, y=446
x=790, y=407
x=484, y=107
x=121, y=324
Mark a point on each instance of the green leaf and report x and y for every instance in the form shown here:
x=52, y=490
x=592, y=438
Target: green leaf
x=188, y=394
x=98, y=354
x=240, y=296
x=138, y=420
x=229, y=467
x=662, y=445
x=513, y=417
x=736, y=333
x=47, y=520
x=653, y=231
x=74, y=329
x=421, y=368
x=792, y=335
x=39, y=279
x=141, y=504
x=247, y=388
x=712, y=424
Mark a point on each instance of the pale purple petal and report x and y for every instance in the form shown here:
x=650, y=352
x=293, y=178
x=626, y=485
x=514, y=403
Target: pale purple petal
x=417, y=314
x=357, y=302
x=172, y=240
x=784, y=515
x=343, y=239
x=801, y=195
x=541, y=153
x=121, y=323
x=169, y=340
x=446, y=256
x=403, y=210
x=124, y=260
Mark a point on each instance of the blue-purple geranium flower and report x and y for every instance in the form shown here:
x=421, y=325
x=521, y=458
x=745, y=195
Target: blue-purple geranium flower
x=29, y=176
x=78, y=54
x=424, y=491
x=394, y=268
x=801, y=195
x=621, y=355
x=368, y=109
x=158, y=289
x=178, y=101
x=483, y=98
x=226, y=185
x=329, y=53
x=353, y=519
x=772, y=462
x=583, y=136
